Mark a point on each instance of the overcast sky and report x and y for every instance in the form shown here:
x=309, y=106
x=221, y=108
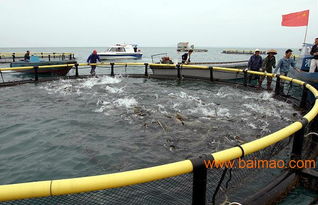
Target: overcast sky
x=89, y=23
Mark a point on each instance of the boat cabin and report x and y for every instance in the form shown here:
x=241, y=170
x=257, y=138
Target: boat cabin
x=305, y=58
x=123, y=48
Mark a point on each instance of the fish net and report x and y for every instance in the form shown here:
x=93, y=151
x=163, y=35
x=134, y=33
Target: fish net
x=237, y=183
x=223, y=185
x=177, y=190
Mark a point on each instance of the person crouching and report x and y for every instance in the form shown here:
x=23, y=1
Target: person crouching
x=186, y=57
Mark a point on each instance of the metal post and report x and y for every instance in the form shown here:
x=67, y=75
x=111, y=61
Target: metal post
x=53, y=55
x=211, y=73
x=200, y=179
x=314, y=124
x=1, y=76
x=49, y=57
x=112, y=69
x=70, y=57
x=146, y=69
x=42, y=55
x=303, y=101
x=36, y=75
x=178, y=71
x=76, y=69
x=13, y=57
x=277, y=87
x=245, y=78
x=299, y=140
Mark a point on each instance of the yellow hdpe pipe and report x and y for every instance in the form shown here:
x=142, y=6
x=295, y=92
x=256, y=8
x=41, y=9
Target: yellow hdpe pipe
x=256, y=145
x=93, y=183
x=195, y=66
x=133, y=64
x=163, y=65
x=141, y=64
x=16, y=68
x=121, y=179
x=31, y=67
x=314, y=111
x=56, y=66
x=24, y=190
x=228, y=69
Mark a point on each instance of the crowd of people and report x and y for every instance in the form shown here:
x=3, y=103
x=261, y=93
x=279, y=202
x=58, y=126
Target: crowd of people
x=256, y=63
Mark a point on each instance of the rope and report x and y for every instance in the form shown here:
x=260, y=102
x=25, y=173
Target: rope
x=228, y=181
x=51, y=188
x=290, y=86
x=243, y=154
x=227, y=202
x=311, y=133
x=218, y=186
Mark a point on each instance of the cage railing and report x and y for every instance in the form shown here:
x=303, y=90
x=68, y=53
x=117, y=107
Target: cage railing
x=195, y=166
x=6, y=57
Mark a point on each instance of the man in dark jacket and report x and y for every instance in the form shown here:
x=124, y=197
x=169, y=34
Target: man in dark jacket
x=93, y=58
x=27, y=56
x=186, y=57
x=314, y=52
x=254, y=64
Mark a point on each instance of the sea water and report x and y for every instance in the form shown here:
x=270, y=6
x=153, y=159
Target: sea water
x=83, y=127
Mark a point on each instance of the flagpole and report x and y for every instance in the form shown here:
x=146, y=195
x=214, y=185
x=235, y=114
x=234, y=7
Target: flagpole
x=306, y=34
x=306, y=29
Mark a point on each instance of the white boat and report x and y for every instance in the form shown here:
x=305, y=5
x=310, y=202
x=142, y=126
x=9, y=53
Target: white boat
x=184, y=47
x=121, y=51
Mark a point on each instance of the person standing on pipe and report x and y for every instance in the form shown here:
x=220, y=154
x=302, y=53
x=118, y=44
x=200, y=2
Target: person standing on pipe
x=93, y=58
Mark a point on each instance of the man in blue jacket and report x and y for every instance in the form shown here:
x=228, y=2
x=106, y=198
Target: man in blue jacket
x=93, y=58
x=285, y=63
x=254, y=64
x=284, y=66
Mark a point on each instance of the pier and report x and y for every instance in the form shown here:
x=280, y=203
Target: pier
x=247, y=52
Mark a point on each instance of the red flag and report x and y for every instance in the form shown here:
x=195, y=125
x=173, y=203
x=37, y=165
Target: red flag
x=296, y=19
